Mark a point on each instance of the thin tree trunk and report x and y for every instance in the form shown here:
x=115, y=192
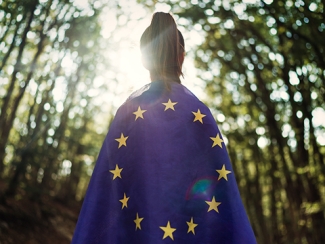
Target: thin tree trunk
x=4, y=133
x=12, y=44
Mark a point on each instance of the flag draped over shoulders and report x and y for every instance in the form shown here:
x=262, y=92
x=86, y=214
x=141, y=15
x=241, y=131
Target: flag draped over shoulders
x=163, y=175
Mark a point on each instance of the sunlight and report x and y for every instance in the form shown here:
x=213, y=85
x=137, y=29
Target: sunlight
x=130, y=63
x=66, y=167
x=124, y=32
x=319, y=117
x=68, y=64
x=59, y=91
x=319, y=122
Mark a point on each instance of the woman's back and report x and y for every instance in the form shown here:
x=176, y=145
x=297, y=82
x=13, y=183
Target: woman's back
x=163, y=174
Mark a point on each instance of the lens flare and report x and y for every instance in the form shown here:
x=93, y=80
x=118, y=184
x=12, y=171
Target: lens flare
x=202, y=188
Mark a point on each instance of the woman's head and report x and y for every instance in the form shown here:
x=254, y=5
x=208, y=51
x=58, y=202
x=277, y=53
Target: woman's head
x=162, y=47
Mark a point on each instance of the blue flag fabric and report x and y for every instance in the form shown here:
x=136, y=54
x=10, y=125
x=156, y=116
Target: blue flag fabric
x=163, y=175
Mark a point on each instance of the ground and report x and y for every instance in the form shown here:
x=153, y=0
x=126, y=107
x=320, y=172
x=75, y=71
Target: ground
x=46, y=221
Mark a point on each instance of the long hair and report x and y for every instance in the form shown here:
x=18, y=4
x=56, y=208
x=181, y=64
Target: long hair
x=162, y=45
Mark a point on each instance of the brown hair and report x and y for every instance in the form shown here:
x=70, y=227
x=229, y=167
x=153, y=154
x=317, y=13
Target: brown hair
x=162, y=45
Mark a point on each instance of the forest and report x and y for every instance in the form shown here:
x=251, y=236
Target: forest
x=261, y=64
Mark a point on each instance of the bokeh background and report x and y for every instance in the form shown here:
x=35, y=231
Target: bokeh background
x=66, y=66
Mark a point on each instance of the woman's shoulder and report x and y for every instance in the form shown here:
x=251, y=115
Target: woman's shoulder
x=156, y=92
x=153, y=101
x=187, y=96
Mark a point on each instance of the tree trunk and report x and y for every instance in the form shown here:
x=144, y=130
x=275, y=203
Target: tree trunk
x=4, y=121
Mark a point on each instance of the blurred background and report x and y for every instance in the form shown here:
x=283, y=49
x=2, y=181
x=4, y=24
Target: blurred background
x=66, y=66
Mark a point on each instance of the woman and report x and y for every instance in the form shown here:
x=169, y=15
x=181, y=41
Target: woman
x=163, y=174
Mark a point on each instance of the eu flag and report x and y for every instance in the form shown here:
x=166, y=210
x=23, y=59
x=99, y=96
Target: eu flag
x=163, y=175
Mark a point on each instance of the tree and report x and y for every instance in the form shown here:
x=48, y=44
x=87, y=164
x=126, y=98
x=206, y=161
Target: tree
x=50, y=56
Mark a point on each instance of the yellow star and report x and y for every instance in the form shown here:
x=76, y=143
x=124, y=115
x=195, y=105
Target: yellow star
x=116, y=172
x=198, y=116
x=213, y=205
x=170, y=105
x=223, y=173
x=191, y=226
x=124, y=201
x=139, y=113
x=137, y=222
x=121, y=140
x=168, y=231
x=216, y=141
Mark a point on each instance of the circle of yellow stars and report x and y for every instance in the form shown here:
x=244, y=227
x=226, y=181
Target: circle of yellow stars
x=223, y=172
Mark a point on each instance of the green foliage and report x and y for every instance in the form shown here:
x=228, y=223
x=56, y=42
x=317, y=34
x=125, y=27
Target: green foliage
x=49, y=138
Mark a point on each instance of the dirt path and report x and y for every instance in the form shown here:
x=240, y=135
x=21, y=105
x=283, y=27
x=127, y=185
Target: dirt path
x=45, y=222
